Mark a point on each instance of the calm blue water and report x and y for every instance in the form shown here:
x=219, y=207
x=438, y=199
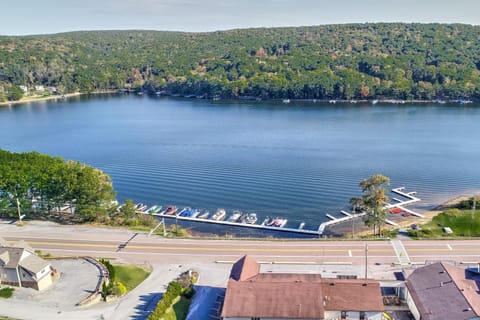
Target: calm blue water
x=299, y=160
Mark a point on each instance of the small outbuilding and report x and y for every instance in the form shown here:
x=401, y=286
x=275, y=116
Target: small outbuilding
x=21, y=267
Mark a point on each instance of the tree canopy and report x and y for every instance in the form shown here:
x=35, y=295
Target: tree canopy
x=32, y=181
x=373, y=200
x=351, y=61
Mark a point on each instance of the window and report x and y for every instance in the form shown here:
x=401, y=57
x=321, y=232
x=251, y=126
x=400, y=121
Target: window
x=255, y=318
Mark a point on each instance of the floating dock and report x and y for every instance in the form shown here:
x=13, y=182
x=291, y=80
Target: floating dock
x=300, y=229
x=239, y=224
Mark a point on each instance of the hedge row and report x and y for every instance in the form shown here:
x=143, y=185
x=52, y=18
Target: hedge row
x=174, y=290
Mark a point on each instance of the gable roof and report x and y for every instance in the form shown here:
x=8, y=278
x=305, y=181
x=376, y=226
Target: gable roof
x=251, y=294
x=244, y=268
x=443, y=291
x=11, y=256
x=33, y=263
x=274, y=296
x=352, y=295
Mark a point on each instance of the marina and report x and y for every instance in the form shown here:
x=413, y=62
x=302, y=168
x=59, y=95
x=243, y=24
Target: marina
x=249, y=220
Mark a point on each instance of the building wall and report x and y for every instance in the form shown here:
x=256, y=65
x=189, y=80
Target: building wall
x=352, y=315
x=8, y=275
x=268, y=319
x=412, y=306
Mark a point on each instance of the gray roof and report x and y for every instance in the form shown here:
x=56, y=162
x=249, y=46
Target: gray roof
x=11, y=258
x=34, y=263
x=442, y=291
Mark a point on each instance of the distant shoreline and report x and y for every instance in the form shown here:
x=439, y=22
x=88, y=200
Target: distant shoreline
x=41, y=99
x=240, y=98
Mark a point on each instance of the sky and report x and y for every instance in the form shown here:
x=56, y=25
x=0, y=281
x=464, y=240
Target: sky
x=21, y=17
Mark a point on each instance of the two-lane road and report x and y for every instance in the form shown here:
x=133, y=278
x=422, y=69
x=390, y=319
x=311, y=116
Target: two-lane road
x=130, y=246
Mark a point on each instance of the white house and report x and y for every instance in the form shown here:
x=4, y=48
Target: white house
x=20, y=266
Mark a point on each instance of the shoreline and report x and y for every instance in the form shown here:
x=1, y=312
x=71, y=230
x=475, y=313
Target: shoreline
x=341, y=231
x=372, y=101
x=344, y=229
x=41, y=99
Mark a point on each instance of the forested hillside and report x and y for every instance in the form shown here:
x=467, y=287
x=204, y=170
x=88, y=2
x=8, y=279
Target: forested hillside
x=355, y=61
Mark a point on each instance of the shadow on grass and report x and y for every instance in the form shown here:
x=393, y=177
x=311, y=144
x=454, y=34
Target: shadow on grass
x=147, y=305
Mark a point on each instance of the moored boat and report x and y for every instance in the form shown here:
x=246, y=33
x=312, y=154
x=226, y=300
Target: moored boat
x=158, y=209
x=275, y=222
x=219, y=215
x=195, y=213
x=251, y=218
x=152, y=209
x=235, y=216
x=204, y=214
x=171, y=210
x=185, y=212
x=279, y=222
x=141, y=207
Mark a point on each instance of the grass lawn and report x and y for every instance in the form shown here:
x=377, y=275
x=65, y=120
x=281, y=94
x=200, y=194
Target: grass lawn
x=178, y=310
x=463, y=223
x=130, y=276
x=6, y=292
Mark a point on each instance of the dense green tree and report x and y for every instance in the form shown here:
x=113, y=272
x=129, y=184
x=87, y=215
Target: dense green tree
x=351, y=61
x=31, y=181
x=373, y=200
x=14, y=93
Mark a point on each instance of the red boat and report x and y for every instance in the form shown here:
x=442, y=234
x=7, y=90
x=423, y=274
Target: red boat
x=171, y=210
x=396, y=210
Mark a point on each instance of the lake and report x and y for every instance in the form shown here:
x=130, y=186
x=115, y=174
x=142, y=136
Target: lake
x=298, y=160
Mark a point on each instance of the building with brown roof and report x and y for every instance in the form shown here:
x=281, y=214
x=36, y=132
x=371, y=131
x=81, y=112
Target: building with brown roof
x=254, y=295
x=443, y=291
x=20, y=266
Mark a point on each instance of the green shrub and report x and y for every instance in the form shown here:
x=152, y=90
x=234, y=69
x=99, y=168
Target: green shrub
x=189, y=293
x=6, y=292
x=118, y=288
x=174, y=289
x=110, y=268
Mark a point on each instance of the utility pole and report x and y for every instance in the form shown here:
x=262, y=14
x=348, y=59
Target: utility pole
x=164, y=227
x=366, y=260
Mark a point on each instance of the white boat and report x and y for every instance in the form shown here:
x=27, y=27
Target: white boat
x=141, y=207
x=279, y=222
x=219, y=215
x=275, y=222
x=195, y=213
x=251, y=218
x=235, y=216
x=286, y=100
x=204, y=214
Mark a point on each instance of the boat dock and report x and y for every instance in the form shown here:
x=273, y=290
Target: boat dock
x=410, y=196
x=400, y=204
x=240, y=224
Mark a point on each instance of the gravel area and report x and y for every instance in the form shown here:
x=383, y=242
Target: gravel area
x=78, y=278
